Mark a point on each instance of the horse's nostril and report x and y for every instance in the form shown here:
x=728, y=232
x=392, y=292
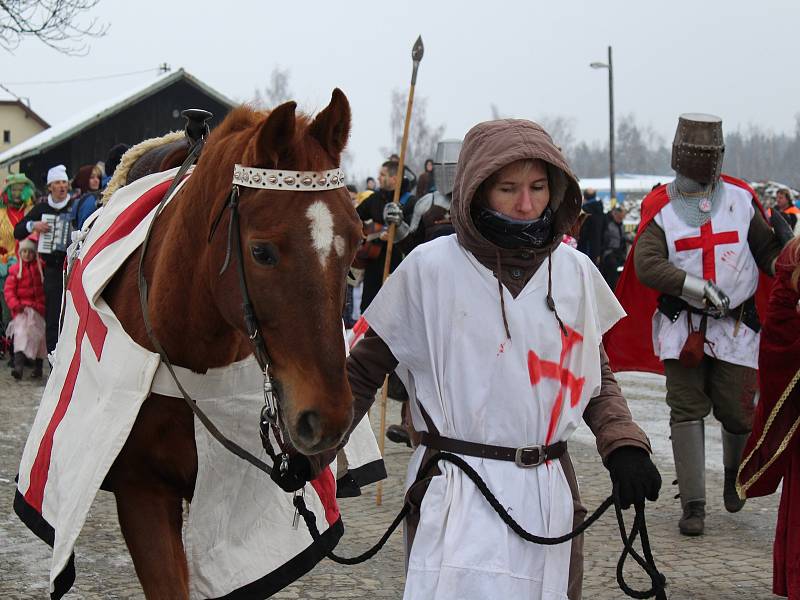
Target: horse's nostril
x=309, y=427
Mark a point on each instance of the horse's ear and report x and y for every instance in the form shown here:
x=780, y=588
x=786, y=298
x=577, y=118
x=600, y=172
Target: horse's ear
x=274, y=137
x=331, y=127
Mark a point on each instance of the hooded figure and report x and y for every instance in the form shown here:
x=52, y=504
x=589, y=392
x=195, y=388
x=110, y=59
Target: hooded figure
x=496, y=332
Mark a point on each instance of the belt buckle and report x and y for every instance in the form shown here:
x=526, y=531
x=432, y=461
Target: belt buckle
x=522, y=454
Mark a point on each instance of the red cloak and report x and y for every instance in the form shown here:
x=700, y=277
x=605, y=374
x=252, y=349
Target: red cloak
x=773, y=448
x=629, y=344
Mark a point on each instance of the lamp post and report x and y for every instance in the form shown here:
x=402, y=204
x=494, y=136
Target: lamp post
x=610, y=66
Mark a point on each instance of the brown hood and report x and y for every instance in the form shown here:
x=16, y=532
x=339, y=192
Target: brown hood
x=488, y=147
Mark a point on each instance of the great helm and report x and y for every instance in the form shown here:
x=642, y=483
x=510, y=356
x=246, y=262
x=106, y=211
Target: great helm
x=444, y=165
x=698, y=149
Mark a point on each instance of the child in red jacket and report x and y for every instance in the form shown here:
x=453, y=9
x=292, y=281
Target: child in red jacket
x=24, y=292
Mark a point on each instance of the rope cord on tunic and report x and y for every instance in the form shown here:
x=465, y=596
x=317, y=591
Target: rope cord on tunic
x=639, y=527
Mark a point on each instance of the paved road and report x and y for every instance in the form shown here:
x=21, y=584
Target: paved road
x=733, y=559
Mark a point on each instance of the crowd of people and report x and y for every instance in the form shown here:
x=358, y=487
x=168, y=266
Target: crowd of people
x=500, y=329
x=32, y=281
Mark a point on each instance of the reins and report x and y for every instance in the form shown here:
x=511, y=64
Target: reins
x=229, y=444
x=639, y=527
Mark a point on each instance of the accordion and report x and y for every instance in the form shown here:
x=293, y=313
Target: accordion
x=59, y=236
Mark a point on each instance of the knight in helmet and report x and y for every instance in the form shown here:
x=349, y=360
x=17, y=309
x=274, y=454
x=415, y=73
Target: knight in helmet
x=431, y=215
x=702, y=241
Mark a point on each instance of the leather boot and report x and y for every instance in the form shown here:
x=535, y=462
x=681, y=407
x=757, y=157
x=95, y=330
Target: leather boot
x=693, y=520
x=688, y=449
x=732, y=448
x=37, y=369
x=19, y=364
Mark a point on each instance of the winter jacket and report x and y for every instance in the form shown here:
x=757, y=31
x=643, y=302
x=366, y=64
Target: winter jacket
x=590, y=240
x=83, y=207
x=27, y=290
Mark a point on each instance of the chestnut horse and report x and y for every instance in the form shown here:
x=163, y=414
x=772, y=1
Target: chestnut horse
x=196, y=314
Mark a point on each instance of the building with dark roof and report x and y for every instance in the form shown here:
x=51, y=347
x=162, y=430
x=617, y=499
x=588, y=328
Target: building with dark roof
x=150, y=110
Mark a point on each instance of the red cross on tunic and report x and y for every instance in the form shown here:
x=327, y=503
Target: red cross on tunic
x=89, y=326
x=547, y=369
x=707, y=241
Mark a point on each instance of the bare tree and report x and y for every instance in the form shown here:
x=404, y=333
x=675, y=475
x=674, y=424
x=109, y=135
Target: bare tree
x=422, y=136
x=276, y=92
x=561, y=130
x=53, y=22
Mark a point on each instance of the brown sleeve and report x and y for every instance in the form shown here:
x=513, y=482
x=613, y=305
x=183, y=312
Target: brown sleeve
x=651, y=261
x=762, y=241
x=367, y=366
x=608, y=416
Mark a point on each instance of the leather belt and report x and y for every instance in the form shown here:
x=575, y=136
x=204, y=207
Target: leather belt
x=524, y=457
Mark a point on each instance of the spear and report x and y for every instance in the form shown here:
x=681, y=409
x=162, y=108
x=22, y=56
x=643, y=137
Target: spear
x=416, y=56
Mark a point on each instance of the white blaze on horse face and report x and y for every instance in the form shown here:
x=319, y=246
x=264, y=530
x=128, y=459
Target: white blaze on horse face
x=321, y=226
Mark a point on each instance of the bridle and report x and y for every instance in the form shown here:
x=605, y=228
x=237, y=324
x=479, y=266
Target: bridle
x=252, y=177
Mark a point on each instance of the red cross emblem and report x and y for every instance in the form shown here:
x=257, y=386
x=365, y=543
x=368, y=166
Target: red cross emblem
x=547, y=369
x=90, y=326
x=707, y=241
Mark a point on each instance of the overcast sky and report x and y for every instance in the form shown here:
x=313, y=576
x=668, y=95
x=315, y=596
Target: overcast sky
x=734, y=58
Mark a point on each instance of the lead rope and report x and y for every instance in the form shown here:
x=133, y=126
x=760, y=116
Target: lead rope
x=229, y=445
x=639, y=527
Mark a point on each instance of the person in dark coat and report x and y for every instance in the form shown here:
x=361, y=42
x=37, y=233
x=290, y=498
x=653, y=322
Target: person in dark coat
x=615, y=246
x=590, y=239
x=371, y=212
x=426, y=182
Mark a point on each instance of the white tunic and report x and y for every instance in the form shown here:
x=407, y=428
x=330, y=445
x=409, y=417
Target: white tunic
x=718, y=251
x=439, y=313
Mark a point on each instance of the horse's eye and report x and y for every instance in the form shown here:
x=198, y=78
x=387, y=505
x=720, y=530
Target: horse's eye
x=265, y=254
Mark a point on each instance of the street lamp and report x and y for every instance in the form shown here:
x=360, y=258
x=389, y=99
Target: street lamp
x=610, y=66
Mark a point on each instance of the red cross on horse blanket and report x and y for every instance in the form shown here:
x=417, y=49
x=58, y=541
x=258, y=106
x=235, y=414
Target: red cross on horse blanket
x=718, y=251
x=239, y=532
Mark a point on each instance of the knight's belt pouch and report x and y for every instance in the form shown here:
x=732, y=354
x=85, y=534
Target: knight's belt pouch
x=694, y=347
x=524, y=457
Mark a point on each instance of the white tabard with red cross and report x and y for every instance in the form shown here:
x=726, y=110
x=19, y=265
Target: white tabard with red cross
x=718, y=251
x=440, y=315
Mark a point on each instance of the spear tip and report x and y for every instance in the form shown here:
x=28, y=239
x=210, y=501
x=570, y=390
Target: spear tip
x=418, y=50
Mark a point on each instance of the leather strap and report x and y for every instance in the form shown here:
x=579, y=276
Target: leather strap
x=526, y=456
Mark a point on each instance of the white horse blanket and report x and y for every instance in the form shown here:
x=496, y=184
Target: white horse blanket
x=239, y=537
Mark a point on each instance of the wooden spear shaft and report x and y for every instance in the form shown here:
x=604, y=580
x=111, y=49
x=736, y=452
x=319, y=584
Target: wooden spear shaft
x=416, y=56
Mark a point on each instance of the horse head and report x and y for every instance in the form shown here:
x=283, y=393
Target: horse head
x=296, y=249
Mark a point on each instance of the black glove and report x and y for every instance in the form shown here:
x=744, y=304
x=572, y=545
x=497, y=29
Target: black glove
x=634, y=475
x=296, y=475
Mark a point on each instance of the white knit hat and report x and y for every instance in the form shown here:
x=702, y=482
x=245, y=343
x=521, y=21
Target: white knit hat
x=57, y=173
